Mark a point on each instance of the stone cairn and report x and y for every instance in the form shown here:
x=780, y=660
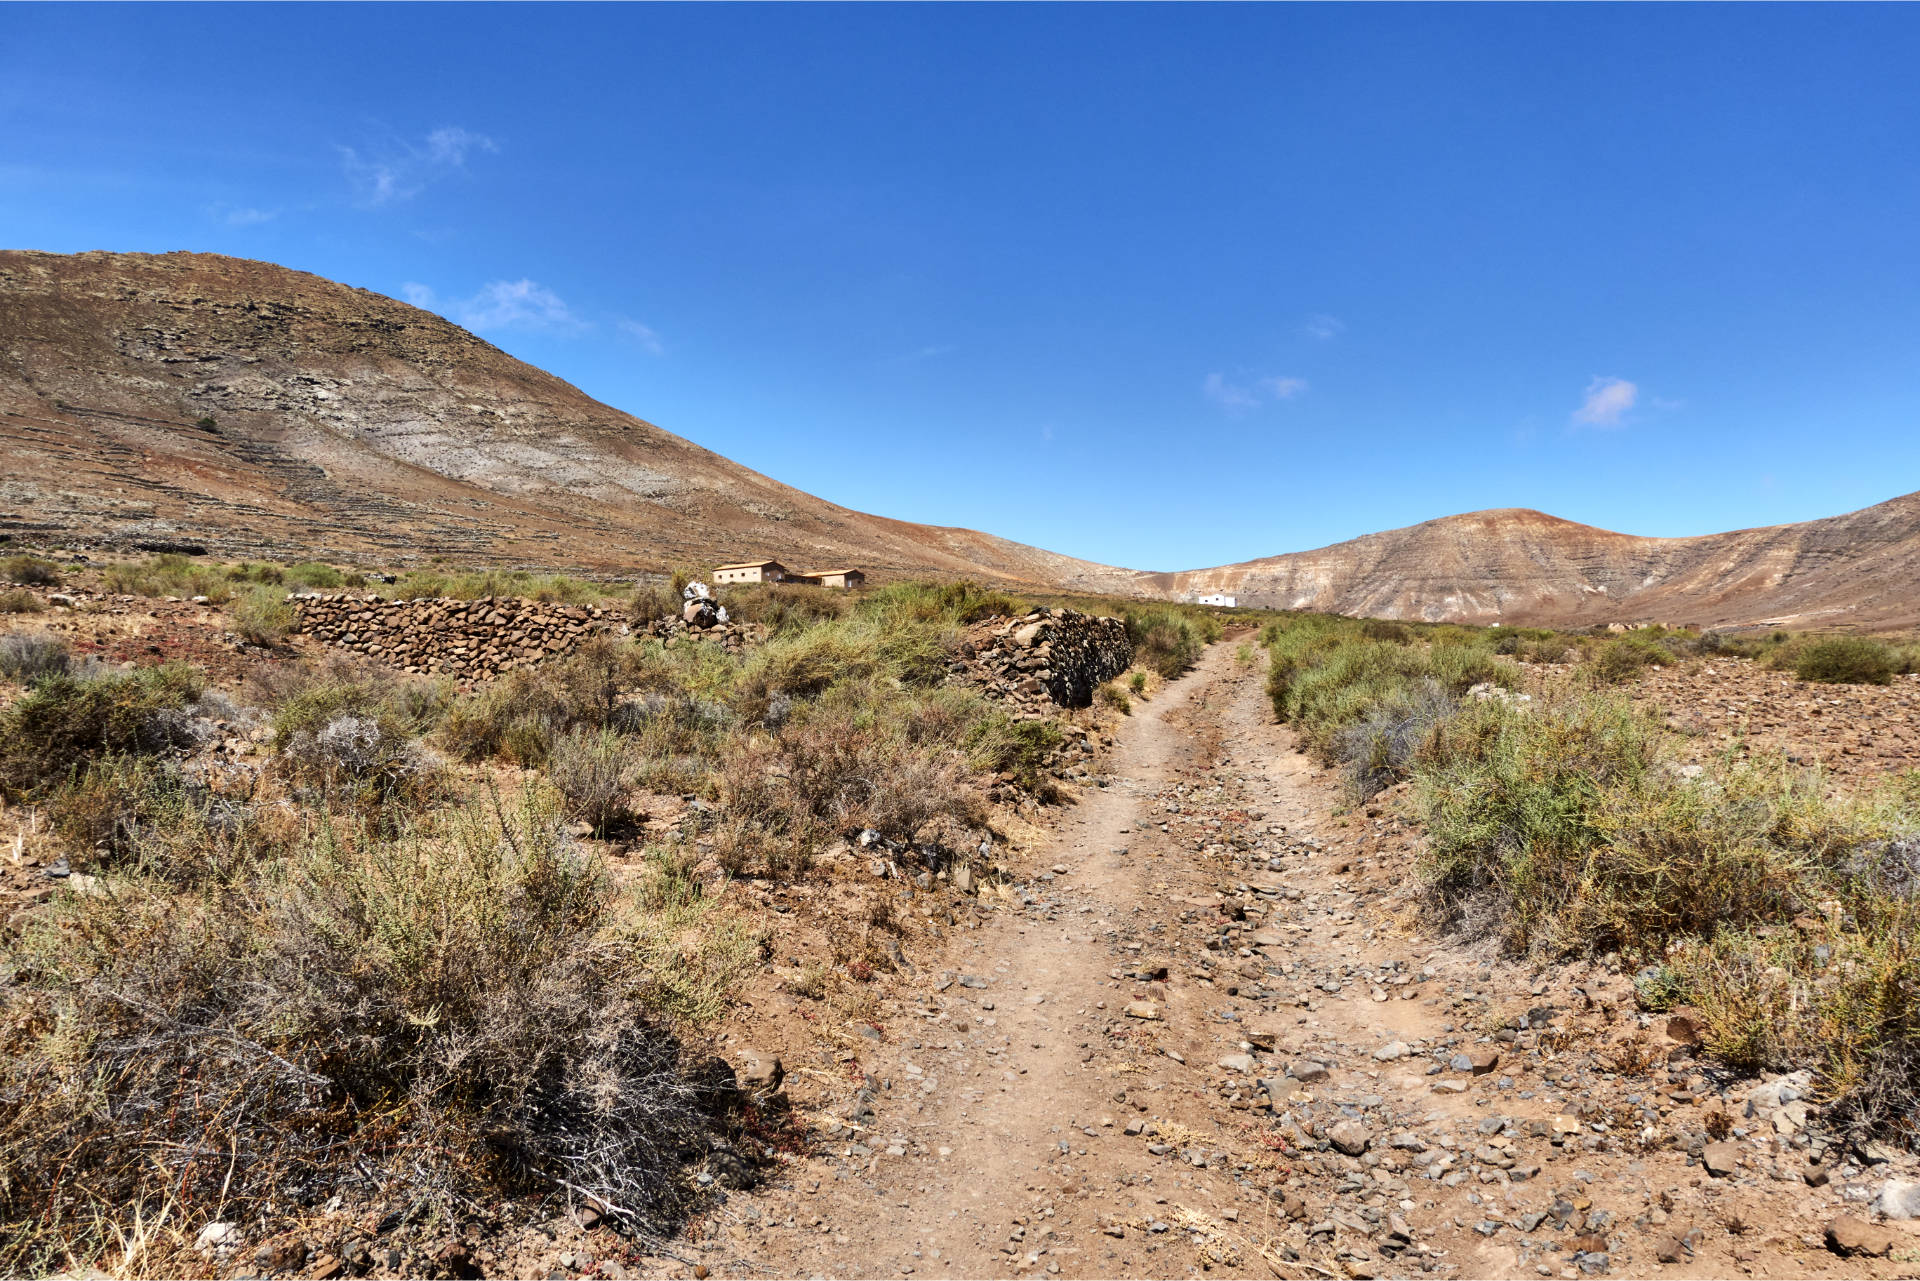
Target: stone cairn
x=702, y=618
x=1051, y=657
x=469, y=639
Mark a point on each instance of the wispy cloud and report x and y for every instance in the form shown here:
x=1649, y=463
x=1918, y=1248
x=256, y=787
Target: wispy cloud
x=642, y=335
x=1238, y=397
x=1322, y=326
x=400, y=169
x=503, y=304
x=1607, y=403
x=931, y=352
x=242, y=216
x=1231, y=396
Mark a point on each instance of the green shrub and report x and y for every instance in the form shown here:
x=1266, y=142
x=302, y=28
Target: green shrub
x=66, y=722
x=1383, y=629
x=1112, y=695
x=311, y=576
x=1168, y=640
x=31, y=570
x=1019, y=749
x=169, y=574
x=1846, y=660
x=1625, y=657
x=1783, y=912
x=248, y=572
x=1137, y=682
x=263, y=616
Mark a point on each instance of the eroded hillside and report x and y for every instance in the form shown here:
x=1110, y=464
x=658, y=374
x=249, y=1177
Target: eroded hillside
x=251, y=408
x=1527, y=568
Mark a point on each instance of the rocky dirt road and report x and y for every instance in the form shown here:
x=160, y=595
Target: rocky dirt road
x=1215, y=1038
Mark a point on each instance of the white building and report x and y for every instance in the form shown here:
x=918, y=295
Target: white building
x=1224, y=601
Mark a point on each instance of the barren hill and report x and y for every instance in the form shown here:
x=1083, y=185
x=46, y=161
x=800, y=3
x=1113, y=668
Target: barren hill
x=1525, y=567
x=263, y=411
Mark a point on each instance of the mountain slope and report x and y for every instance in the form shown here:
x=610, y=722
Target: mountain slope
x=1524, y=567
x=347, y=424
x=268, y=412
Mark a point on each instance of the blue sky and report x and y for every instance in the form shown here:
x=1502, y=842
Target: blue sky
x=1158, y=286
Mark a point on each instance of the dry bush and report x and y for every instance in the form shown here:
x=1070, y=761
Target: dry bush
x=1789, y=916
x=1169, y=640
x=594, y=769
x=1113, y=694
x=435, y=1018
x=1624, y=658
x=31, y=570
x=367, y=761
x=143, y=816
x=518, y=716
x=840, y=768
x=31, y=656
x=20, y=601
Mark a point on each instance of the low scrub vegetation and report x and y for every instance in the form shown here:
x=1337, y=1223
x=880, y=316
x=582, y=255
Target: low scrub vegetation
x=68, y=720
x=31, y=570
x=1169, y=640
x=473, y=584
x=462, y=1009
x=1368, y=704
x=1562, y=824
x=1847, y=660
x=360, y=967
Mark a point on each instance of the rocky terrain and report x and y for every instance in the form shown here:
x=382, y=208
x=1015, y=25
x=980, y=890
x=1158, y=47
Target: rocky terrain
x=1519, y=567
x=253, y=410
x=1203, y=1031
x=1189, y=1021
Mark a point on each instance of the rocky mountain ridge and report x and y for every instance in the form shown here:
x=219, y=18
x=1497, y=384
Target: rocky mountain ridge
x=156, y=399
x=1856, y=571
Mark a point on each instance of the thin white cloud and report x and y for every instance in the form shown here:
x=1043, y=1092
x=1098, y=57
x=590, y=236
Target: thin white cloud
x=399, y=169
x=1323, y=326
x=449, y=145
x=1237, y=397
x=644, y=335
x=1229, y=396
x=1607, y=402
x=502, y=304
x=247, y=217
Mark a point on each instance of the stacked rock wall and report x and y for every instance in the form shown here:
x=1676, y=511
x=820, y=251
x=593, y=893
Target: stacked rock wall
x=1057, y=656
x=472, y=639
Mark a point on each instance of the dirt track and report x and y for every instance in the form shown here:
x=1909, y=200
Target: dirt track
x=1000, y=1142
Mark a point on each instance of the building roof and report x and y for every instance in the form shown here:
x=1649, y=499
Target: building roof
x=828, y=573
x=749, y=564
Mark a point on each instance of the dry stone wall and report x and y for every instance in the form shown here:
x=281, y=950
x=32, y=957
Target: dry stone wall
x=472, y=639
x=1050, y=656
